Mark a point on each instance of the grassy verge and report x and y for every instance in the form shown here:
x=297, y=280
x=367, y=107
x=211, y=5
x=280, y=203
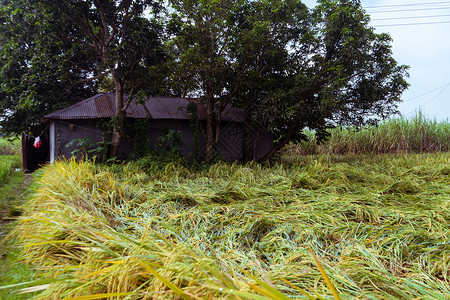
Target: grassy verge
x=378, y=226
x=12, y=269
x=401, y=135
x=7, y=165
x=12, y=195
x=9, y=147
x=11, y=186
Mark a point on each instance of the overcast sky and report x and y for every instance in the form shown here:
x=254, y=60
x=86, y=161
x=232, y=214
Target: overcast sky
x=425, y=48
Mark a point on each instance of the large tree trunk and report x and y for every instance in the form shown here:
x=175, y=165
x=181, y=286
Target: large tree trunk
x=247, y=138
x=119, y=118
x=218, y=121
x=286, y=139
x=277, y=147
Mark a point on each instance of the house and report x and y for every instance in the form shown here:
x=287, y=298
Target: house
x=83, y=121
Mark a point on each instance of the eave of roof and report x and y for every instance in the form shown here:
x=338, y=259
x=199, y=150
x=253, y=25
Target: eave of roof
x=103, y=106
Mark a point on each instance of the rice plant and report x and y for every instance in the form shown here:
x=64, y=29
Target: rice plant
x=310, y=227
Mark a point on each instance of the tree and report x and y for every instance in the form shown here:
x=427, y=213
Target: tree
x=315, y=69
x=81, y=42
x=126, y=45
x=287, y=66
x=344, y=75
x=262, y=56
x=39, y=64
x=201, y=50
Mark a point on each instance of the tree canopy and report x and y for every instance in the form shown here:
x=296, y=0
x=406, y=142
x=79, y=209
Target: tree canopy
x=338, y=72
x=91, y=39
x=126, y=46
x=41, y=66
x=287, y=66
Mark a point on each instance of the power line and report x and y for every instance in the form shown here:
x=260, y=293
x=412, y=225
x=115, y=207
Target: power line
x=432, y=99
x=412, y=17
x=409, y=24
x=415, y=17
x=410, y=4
x=404, y=10
x=426, y=93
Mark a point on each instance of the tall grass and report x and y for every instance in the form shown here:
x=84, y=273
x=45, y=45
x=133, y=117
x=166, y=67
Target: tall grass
x=12, y=185
x=378, y=227
x=13, y=193
x=399, y=135
x=9, y=147
x=7, y=165
x=9, y=181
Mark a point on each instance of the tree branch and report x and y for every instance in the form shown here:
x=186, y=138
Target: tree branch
x=88, y=79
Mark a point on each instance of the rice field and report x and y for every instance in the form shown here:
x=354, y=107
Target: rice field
x=397, y=135
x=312, y=227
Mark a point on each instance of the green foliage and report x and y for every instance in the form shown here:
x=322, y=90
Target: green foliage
x=171, y=142
x=85, y=148
x=201, y=54
x=12, y=270
x=10, y=191
x=201, y=39
x=194, y=123
x=287, y=66
x=152, y=163
x=117, y=231
x=93, y=41
x=11, y=187
x=346, y=76
x=126, y=47
x=136, y=131
x=13, y=193
x=40, y=61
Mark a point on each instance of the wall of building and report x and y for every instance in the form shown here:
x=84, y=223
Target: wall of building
x=66, y=131
x=230, y=147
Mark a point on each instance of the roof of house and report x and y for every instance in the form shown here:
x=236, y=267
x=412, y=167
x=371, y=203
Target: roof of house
x=103, y=106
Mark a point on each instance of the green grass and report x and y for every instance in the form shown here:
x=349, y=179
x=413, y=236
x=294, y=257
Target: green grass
x=12, y=195
x=8, y=163
x=399, y=135
x=10, y=147
x=12, y=271
x=12, y=188
x=378, y=226
x=10, y=180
